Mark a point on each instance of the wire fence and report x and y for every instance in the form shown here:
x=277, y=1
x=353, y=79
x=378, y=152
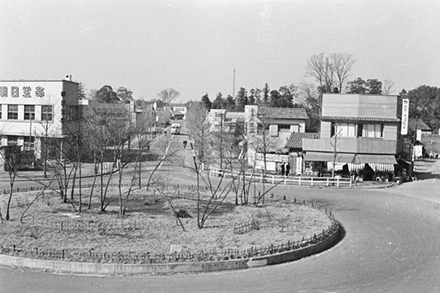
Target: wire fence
x=136, y=257
x=97, y=186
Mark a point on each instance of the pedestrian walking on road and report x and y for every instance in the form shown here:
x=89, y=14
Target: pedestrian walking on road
x=282, y=169
x=287, y=169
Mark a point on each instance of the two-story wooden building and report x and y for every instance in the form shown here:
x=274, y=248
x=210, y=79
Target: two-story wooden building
x=357, y=132
x=267, y=131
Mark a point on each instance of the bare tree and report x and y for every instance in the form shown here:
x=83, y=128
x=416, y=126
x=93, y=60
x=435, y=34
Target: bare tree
x=11, y=156
x=198, y=127
x=335, y=145
x=387, y=87
x=342, y=64
x=325, y=69
x=316, y=67
x=168, y=95
x=263, y=143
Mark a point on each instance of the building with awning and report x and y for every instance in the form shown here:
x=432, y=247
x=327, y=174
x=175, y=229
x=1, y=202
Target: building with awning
x=356, y=131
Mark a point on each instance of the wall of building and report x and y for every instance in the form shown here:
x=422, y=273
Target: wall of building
x=326, y=128
x=354, y=105
x=38, y=94
x=391, y=131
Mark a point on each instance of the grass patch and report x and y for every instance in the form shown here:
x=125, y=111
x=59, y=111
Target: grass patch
x=150, y=227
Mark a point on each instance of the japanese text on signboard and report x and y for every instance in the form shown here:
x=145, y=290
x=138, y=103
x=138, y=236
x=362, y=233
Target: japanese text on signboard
x=405, y=113
x=26, y=91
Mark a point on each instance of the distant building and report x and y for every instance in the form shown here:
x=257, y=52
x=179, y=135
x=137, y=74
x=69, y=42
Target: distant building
x=275, y=125
x=31, y=110
x=267, y=131
x=178, y=111
x=295, y=146
x=118, y=111
x=416, y=125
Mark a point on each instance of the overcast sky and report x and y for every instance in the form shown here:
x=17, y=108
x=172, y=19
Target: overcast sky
x=194, y=45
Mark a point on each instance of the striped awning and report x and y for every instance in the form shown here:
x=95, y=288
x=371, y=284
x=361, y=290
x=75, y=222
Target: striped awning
x=382, y=167
x=355, y=167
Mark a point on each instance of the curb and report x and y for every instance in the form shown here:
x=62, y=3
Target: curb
x=170, y=268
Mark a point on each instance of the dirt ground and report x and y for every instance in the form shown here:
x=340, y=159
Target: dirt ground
x=150, y=224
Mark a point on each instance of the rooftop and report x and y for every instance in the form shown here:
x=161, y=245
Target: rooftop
x=415, y=124
x=295, y=139
x=359, y=119
x=284, y=113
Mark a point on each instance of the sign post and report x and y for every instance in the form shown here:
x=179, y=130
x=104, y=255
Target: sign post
x=405, y=113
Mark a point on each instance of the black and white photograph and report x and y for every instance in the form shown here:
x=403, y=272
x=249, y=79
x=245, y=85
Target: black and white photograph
x=220, y=146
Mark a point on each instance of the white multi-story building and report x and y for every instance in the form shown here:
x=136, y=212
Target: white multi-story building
x=33, y=109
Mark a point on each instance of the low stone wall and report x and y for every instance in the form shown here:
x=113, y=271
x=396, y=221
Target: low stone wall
x=167, y=268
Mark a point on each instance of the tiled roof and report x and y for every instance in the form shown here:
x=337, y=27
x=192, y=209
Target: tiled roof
x=283, y=113
x=415, y=124
x=295, y=139
x=360, y=119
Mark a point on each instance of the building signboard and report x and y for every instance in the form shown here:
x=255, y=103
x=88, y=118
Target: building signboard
x=405, y=118
x=299, y=161
x=21, y=91
x=419, y=134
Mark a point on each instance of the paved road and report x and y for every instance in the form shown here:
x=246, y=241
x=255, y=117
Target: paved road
x=391, y=245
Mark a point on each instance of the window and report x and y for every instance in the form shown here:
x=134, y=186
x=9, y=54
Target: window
x=12, y=140
x=12, y=112
x=29, y=142
x=46, y=113
x=372, y=130
x=29, y=112
x=346, y=129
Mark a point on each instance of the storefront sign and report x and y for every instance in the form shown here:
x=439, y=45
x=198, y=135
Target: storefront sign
x=25, y=91
x=405, y=114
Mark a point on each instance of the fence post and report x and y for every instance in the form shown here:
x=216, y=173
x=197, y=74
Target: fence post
x=273, y=179
x=337, y=182
x=299, y=181
x=328, y=181
x=311, y=181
